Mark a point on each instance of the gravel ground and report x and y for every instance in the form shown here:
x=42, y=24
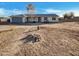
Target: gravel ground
x=60, y=39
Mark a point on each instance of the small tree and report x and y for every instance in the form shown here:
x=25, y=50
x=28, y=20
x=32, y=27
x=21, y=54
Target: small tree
x=69, y=15
x=65, y=16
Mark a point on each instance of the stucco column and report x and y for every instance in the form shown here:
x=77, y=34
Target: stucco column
x=49, y=19
x=23, y=19
x=10, y=19
x=57, y=19
x=42, y=19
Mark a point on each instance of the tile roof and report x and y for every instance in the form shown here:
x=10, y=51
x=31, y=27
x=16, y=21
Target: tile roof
x=21, y=15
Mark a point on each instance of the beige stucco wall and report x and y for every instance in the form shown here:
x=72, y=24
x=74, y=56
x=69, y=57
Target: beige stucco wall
x=50, y=19
x=24, y=19
x=42, y=19
x=55, y=20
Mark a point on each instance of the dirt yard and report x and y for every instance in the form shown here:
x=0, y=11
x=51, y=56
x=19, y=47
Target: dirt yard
x=56, y=39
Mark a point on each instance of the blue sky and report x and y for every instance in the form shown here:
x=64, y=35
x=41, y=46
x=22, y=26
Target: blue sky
x=12, y=8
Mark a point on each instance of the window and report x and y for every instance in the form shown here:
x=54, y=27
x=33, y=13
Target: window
x=53, y=18
x=45, y=18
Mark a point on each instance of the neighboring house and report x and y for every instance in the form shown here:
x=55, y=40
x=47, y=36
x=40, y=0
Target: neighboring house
x=34, y=18
x=4, y=20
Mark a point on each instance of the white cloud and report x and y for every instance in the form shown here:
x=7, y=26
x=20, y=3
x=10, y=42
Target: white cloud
x=2, y=11
x=55, y=11
x=16, y=11
x=61, y=12
x=52, y=11
x=5, y=12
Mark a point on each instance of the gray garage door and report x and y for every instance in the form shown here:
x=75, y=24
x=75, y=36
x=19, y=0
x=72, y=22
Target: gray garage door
x=17, y=20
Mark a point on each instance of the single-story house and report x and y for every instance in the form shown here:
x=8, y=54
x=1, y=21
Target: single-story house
x=34, y=18
x=4, y=19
